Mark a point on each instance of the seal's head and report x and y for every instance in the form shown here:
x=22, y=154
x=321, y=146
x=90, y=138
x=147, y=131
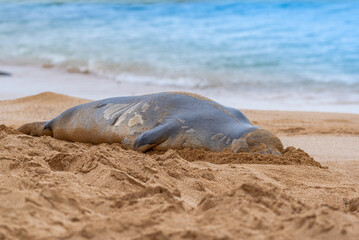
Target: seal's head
x=264, y=142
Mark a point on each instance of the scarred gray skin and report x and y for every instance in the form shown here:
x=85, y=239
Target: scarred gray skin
x=159, y=121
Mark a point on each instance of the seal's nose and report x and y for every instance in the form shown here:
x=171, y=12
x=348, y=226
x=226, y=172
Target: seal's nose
x=264, y=142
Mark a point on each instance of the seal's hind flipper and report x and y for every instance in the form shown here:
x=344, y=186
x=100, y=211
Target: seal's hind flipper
x=154, y=137
x=5, y=74
x=35, y=129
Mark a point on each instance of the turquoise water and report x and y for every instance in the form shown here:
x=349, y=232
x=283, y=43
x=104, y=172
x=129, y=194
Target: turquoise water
x=232, y=44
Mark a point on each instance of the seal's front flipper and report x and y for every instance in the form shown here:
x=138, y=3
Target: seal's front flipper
x=35, y=129
x=154, y=137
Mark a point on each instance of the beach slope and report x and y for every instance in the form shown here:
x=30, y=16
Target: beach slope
x=58, y=189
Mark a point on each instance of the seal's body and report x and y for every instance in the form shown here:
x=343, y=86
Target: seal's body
x=159, y=121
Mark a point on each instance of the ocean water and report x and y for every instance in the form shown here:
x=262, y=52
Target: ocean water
x=274, y=45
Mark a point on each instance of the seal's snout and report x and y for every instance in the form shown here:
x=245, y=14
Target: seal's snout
x=264, y=142
x=35, y=129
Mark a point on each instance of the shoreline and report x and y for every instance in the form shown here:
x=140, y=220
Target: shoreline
x=30, y=80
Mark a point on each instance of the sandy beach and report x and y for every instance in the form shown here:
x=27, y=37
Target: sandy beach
x=53, y=189
x=290, y=66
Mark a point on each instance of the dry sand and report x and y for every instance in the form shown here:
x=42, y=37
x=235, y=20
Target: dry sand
x=52, y=189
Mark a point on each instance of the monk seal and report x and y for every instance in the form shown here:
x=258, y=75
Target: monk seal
x=161, y=121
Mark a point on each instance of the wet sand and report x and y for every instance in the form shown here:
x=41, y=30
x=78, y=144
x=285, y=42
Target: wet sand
x=28, y=80
x=58, y=189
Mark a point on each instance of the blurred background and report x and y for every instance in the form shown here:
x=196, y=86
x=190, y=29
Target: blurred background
x=290, y=55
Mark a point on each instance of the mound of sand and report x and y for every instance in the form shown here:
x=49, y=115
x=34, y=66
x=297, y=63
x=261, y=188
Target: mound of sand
x=58, y=189
x=291, y=156
x=40, y=107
